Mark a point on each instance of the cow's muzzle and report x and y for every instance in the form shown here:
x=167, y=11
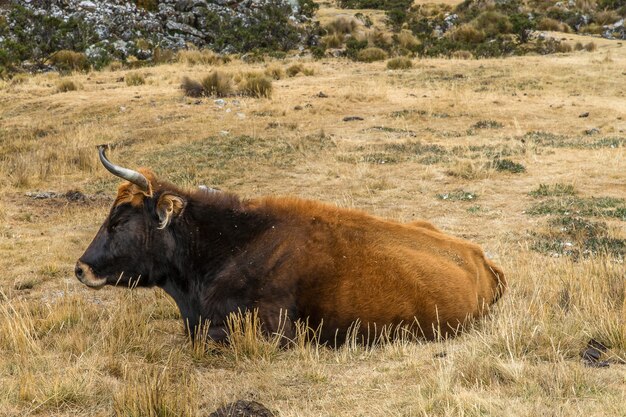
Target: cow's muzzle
x=85, y=274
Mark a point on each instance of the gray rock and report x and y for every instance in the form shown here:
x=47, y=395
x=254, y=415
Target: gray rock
x=181, y=27
x=87, y=5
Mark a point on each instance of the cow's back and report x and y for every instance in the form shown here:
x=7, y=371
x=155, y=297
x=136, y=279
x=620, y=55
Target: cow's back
x=346, y=265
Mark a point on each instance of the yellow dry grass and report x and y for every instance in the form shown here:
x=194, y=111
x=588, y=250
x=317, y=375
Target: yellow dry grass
x=68, y=351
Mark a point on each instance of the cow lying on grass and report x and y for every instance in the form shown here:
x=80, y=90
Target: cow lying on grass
x=216, y=254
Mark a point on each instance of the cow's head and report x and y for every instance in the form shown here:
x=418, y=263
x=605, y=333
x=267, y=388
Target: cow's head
x=135, y=241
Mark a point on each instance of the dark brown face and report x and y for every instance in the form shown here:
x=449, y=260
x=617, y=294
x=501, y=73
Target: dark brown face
x=119, y=254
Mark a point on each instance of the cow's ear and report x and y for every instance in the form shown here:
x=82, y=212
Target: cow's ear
x=168, y=207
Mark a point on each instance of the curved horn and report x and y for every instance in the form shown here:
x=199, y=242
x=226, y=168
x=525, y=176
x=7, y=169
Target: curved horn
x=125, y=173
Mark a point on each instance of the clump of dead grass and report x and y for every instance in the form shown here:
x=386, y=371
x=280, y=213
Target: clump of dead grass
x=407, y=40
x=193, y=57
x=66, y=85
x=275, y=72
x=550, y=24
x=156, y=393
x=342, y=25
x=68, y=61
x=218, y=84
x=191, y=88
x=255, y=85
x=399, y=63
x=224, y=84
x=334, y=40
x=371, y=54
x=134, y=79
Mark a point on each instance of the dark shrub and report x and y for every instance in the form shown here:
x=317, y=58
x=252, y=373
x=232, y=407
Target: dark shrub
x=191, y=87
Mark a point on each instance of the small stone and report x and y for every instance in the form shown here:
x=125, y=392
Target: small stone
x=352, y=118
x=242, y=408
x=220, y=102
x=592, y=131
x=585, y=114
x=298, y=108
x=321, y=94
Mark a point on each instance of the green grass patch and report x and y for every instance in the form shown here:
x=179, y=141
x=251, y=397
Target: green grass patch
x=225, y=157
x=577, y=237
x=561, y=141
x=507, y=165
x=554, y=190
x=487, y=124
x=609, y=207
x=458, y=195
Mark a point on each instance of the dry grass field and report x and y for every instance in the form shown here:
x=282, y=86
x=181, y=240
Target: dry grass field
x=495, y=151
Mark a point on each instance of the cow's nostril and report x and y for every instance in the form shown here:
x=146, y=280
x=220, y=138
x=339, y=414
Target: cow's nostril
x=79, y=271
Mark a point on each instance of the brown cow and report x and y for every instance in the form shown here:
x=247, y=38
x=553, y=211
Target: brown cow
x=216, y=254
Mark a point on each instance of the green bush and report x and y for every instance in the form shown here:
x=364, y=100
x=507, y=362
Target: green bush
x=150, y=5
x=30, y=37
x=308, y=7
x=318, y=52
x=400, y=63
x=353, y=46
x=522, y=26
x=271, y=20
x=371, y=54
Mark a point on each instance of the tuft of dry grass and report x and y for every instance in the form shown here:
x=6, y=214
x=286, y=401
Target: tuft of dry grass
x=191, y=88
x=295, y=69
x=134, y=79
x=342, y=25
x=590, y=47
x=156, y=393
x=461, y=55
x=256, y=85
x=218, y=84
x=193, y=57
x=371, y=54
x=407, y=40
x=68, y=61
x=334, y=40
x=399, y=63
x=66, y=85
x=547, y=23
x=275, y=72
x=467, y=33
